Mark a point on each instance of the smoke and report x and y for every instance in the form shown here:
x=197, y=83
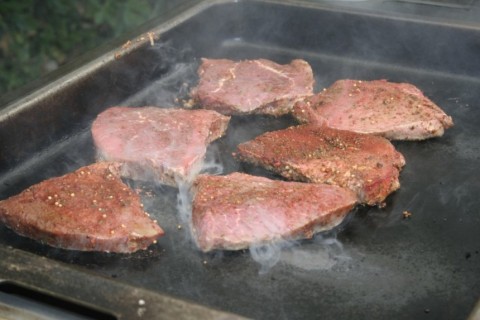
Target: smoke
x=323, y=252
x=268, y=248
x=171, y=90
x=267, y=255
x=210, y=165
x=178, y=72
x=184, y=204
x=168, y=91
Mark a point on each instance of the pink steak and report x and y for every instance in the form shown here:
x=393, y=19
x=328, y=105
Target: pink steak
x=252, y=86
x=235, y=211
x=166, y=145
x=396, y=111
x=90, y=209
x=366, y=164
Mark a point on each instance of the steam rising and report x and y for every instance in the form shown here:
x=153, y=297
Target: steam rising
x=174, y=83
x=323, y=252
x=320, y=253
x=267, y=255
x=165, y=91
x=184, y=203
x=210, y=165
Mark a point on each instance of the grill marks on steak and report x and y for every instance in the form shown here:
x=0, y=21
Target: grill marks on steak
x=166, y=144
x=397, y=111
x=235, y=211
x=366, y=164
x=90, y=209
x=252, y=86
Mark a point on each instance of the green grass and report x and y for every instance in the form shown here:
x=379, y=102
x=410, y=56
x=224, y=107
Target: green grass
x=37, y=36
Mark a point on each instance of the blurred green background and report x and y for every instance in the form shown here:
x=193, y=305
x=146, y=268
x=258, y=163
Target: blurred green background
x=38, y=36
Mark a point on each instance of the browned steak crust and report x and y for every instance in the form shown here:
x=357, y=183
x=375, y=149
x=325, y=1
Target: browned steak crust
x=396, y=111
x=90, y=209
x=366, y=164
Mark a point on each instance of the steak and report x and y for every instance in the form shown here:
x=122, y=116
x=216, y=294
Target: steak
x=397, y=111
x=252, y=86
x=235, y=211
x=366, y=164
x=165, y=145
x=90, y=209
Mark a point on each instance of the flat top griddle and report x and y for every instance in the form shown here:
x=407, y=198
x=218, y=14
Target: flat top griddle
x=376, y=265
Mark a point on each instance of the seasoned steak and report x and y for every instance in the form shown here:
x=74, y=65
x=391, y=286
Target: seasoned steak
x=252, y=86
x=397, y=111
x=235, y=211
x=366, y=164
x=165, y=145
x=90, y=209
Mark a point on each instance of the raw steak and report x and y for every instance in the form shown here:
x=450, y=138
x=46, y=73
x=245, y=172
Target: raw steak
x=234, y=211
x=397, y=111
x=366, y=164
x=252, y=86
x=166, y=145
x=90, y=209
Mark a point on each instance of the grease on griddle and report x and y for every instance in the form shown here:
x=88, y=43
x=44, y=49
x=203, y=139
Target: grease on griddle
x=406, y=214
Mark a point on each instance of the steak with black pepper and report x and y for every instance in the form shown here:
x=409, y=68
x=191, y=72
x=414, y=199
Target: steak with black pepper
x=235, y=211
x=164, y=145
x=252, y=86
x=397, y=111
x=90, y=209
x=366, y=164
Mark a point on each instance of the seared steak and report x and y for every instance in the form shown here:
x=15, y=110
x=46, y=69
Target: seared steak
x=90, y=209
x=235, y=211
x=397, y=111
x=366, y=164
x=252, y=86
x=166, y=145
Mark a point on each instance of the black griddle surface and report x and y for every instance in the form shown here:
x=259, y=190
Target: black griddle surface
x=377, y=265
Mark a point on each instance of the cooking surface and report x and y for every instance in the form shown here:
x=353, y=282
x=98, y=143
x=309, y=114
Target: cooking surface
x=377, y=265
